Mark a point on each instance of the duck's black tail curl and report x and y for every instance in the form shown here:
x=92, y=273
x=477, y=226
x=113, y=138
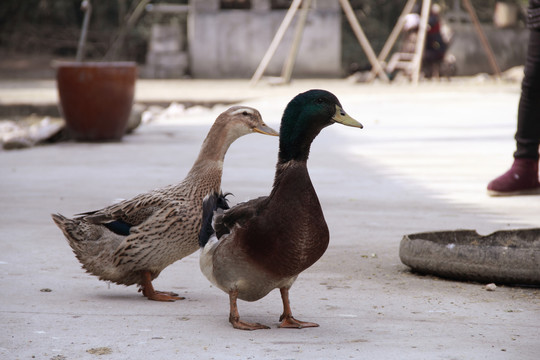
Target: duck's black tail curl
x=211, y=203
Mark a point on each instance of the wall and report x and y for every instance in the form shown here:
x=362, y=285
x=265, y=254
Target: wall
x=232, y=43
x=509, y=47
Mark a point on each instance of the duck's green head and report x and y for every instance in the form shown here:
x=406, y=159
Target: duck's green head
x=304, y=117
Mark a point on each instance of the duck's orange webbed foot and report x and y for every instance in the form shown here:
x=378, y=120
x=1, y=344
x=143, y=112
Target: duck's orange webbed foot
x=242, y=325
x=161, y=295
x=234, y=316
x=148, y=290
x=288, y=321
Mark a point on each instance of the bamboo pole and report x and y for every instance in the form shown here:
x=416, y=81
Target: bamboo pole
x=393, y=36
x=118, y=42
x=396, y=30
x=364, y=42
x=483, y=40
x=421, y=40
x=291, y=59
x=86, y=6
x=275, y=42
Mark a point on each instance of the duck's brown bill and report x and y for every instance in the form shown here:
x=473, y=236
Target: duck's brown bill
x=266, y=130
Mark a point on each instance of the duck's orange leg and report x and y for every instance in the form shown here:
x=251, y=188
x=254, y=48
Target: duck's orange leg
x=234, y=316
x=287, y=320
x=148, y=290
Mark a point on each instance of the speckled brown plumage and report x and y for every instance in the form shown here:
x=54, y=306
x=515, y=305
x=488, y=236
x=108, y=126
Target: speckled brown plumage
x=162, y=225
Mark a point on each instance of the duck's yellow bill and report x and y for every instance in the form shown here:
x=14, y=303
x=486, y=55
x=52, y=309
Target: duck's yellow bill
x=266, y=130
x=341, y=117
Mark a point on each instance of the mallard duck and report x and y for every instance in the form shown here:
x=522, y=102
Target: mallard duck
x=263, y=244
x=131, y=242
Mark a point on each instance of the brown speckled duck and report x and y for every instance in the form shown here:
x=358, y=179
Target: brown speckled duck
x=265, y=243
x=131, y=242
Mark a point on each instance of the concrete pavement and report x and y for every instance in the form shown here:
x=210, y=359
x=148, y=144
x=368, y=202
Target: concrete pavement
x=421, y=163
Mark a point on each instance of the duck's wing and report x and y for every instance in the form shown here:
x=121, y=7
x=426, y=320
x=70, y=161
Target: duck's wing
x=151, y=241
x=242, y=213
x=131, y=212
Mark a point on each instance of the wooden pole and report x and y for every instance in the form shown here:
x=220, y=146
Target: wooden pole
x=364, y=42
x=393, y=36
x=291, y=59
x=396, y=31
x=420, y=42
x=483, y=40
x=275, y=42
x=287, y=70
x=118, y=44
x=86, y=6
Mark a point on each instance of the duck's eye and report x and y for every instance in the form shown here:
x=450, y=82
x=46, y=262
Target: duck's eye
x=245, y=113
x=320, y=100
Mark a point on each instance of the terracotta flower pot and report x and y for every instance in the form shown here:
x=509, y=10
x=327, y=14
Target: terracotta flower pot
x=96, y=98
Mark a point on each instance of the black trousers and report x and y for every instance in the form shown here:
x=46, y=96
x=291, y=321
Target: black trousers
x=528, y=125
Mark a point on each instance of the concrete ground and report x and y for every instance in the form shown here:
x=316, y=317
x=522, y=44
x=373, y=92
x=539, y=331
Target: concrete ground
x=421, y=163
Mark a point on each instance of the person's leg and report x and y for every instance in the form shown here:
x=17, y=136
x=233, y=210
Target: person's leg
x=528, y=126
x=522, y=178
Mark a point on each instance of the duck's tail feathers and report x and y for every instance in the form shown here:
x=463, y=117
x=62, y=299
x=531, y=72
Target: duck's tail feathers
x=75, y=230
x=213, y=205
x=59, y=219
x=91, y=243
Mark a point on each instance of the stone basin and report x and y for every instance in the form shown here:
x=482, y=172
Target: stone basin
x=503, y=257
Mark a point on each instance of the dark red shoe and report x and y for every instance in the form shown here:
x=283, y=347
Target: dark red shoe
x=521, y=179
